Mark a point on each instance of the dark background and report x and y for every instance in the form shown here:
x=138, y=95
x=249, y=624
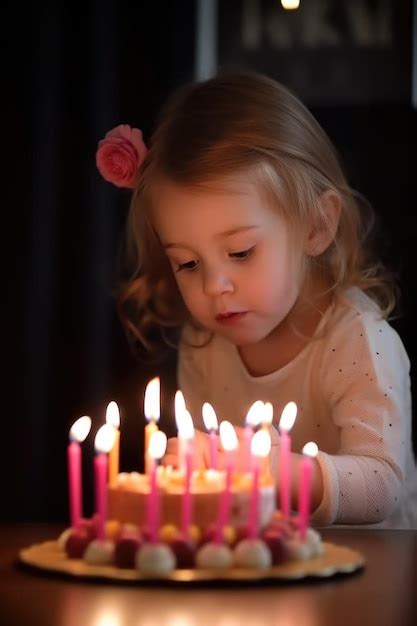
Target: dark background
x=70, y=73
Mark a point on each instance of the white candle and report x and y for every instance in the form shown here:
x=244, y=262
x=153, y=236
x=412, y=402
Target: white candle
x=152, y=409
x=253, y=419
x=260, y=448
x=286, y=422
x=309, y=451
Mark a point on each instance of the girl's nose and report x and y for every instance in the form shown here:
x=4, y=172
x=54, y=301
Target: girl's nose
x=216, y=282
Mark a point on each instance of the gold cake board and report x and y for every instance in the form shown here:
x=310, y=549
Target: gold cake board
x=336, y=559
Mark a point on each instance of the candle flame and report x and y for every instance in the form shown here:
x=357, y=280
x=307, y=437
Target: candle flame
x=310, y=449
x=185, y=425
x=157, y=444
x=179, y=403
x=261, y=443
x=105, y=437
x=288, y=416
x=209, y=417
x=228, y=436
x=113, y=414
x=255, y=414
x=152, y=399
x=80, y=428
x=268, y=413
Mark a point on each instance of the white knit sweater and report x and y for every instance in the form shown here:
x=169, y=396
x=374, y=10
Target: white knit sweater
x=352, y=388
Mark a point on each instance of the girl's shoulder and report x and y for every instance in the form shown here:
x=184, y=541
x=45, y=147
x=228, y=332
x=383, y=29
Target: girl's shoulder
x=356, y=320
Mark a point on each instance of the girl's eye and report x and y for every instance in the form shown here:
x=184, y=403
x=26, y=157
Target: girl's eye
x=189, y=266
x=242, y=255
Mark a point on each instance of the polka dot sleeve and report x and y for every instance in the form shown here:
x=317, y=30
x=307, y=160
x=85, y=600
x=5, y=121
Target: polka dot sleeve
x=365, y=379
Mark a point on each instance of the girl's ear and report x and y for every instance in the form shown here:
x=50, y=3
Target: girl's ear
x=323, y=230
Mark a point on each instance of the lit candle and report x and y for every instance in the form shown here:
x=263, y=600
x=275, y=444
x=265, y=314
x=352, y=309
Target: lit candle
x=113, y=418
x=309, y=451
x=229, y=441
x=186, y=434
x=267, y=415
x=260, y=448
x=157, y=447
x=78, y=432
x=103, y=443
x=286, y=422
x=152, y=414
x=210, y=422
x=253, y=419
x=179, y=409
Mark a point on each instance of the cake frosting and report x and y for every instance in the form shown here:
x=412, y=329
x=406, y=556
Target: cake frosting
x=128, y=494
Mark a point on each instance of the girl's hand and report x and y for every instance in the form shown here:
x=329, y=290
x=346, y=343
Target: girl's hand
x=201, y=456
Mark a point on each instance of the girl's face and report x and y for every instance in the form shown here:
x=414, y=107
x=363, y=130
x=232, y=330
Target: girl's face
x=231, y=256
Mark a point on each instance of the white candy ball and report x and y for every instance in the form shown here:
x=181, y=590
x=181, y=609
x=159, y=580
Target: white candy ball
x=99, y=552
x=252, y=553
x=155, y=559
x=214, y=556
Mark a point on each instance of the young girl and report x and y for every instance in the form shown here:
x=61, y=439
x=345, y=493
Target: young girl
x=244, y=233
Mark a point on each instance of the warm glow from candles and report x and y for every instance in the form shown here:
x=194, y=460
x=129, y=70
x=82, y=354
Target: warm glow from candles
x=310, y=449
x=152, y=400
x=261, y=443
x=288, y=416
x=255, y=414
x=80, y=429
x=209, y=417
x=228, y=436
x=290, y=5
x=268, y=414
x=157, y=445
x=105, y=438
x=113, y=414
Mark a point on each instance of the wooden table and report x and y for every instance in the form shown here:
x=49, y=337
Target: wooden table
x=383, y=594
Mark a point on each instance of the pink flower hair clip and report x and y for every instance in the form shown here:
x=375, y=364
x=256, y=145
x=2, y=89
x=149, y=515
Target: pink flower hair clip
x=120, y=155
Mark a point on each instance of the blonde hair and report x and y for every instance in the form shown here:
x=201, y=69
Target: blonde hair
x=228, y=125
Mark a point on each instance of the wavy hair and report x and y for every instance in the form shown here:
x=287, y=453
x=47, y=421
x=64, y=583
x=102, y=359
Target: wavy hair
x=228, y=125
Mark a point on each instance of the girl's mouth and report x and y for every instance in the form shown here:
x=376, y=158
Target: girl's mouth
x=231, y=317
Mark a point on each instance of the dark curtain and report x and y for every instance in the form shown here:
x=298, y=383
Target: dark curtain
x=73, y=73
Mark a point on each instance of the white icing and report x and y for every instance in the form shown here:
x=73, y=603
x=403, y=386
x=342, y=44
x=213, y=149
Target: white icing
x=252, y=553
x=155, y=559
x=99, y=552
x=214, y=556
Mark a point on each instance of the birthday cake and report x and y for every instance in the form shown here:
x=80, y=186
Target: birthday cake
x=185, y=524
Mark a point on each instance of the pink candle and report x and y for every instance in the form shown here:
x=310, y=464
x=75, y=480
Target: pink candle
x=157, y=447
x=254, y=506
x=304, y=492
x=103, y=444
x=286, y=423
x=186, y=506
x=213, y=449
x=78, y=433
x=100, y=470
x=261, y=445
x=248, y=434
x=229, y=441
x=285, y=474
